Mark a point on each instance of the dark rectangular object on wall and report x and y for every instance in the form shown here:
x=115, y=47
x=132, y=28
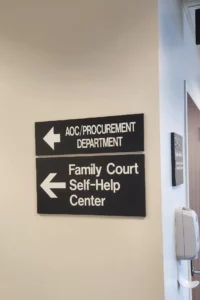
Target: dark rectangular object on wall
x=99, y=185
x=177, y=159
x=197, y=25
x=91, y=135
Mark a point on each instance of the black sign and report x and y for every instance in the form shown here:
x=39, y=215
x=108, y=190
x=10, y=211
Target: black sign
x=94, y=135
x=177, y=159
x=98, y=185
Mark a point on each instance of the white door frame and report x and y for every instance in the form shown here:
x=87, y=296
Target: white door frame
x=187, y=91
x=187, y=164
x=193, y=90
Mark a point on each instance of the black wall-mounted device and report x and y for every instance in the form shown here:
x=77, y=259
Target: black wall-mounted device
x=197, y=23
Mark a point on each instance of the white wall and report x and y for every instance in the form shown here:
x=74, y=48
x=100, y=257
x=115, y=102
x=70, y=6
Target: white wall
x=179, y=61
x=71, y=59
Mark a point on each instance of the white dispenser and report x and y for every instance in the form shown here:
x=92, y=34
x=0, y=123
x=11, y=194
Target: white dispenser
x=187, y=242
x=187, y=234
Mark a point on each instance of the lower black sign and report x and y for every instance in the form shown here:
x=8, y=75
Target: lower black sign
x=177, y=159
x=99, y=185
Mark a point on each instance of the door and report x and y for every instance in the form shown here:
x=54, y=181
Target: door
x=194, y=169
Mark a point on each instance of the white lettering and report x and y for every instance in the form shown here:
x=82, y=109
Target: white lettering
x=126, y=170
x=91, y=169
x=71, y=198
x=110, y=128
x=80, y=186
x=71, y=131
x=71, y=168
x=108, y=142
x=75, y=201
x=113, y=186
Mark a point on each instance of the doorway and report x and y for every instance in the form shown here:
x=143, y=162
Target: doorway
x=193, y=130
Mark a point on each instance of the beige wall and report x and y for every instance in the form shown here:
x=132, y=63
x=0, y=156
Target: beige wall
x=71, y=59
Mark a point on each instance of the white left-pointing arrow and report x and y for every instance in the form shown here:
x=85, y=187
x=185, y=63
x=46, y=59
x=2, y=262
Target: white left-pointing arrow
x=47, y=185
x=51, y=138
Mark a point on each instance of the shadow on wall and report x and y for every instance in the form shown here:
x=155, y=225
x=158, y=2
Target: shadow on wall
x=71, y=31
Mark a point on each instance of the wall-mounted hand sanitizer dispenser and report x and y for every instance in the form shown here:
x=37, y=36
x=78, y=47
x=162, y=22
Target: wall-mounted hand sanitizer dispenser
x=187, y=234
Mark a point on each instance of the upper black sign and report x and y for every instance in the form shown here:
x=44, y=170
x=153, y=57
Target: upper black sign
x=94, y=135
x=177, y=159
x=98, y=185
